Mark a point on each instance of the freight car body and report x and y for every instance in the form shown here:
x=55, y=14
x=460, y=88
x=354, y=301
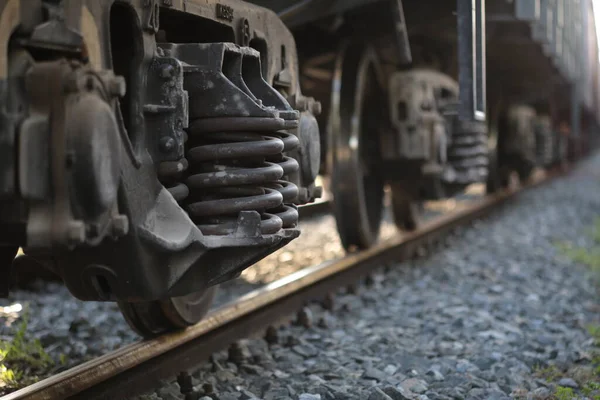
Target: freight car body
x=150, y=149
x=543, y=69
x=476, y=90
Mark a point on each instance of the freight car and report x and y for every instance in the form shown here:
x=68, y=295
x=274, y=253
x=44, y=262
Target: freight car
x=431, y=96
x=152, y=149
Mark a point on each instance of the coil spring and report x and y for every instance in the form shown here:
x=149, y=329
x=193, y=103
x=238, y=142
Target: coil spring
x=235, y=164
x=170, y=174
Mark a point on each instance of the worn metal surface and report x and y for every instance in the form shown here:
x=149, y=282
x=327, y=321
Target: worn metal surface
x=450, y=153
x=472, y=59
x=191, y=176
x=134, y=369
x=354, y=127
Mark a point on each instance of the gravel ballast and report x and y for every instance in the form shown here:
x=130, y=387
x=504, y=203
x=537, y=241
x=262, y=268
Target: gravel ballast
x=74, y=331
x=471, y=321
x=486, y=316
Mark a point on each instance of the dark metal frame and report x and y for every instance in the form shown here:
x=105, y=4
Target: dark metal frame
x=161, y=252
x=471, y=56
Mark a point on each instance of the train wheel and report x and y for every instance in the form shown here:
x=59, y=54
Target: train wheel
x=498, y=175
x=357, y=104
x=152, y=318
x=407, y=211
x=493, y=183
x=525, y=170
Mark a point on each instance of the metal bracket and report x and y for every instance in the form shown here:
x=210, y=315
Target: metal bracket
x=401, y=32
x=166, y=108
x=471, y=56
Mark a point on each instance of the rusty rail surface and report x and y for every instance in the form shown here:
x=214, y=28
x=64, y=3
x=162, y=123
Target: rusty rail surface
x=135, y=368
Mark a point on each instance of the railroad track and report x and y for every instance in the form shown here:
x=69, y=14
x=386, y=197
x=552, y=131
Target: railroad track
x=130, y=370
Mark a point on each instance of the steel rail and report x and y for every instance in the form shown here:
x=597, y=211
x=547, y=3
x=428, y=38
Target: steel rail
x=135, y=368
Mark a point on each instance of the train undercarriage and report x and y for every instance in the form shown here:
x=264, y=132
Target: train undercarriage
x=152, y=149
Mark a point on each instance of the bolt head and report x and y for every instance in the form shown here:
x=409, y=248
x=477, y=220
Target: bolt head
x=120, y=225
x=167, y=144
x=301, y=103
x=318, y=192
x=118, y=86
x=76, y=232
x=316, y=108
x=167, y=71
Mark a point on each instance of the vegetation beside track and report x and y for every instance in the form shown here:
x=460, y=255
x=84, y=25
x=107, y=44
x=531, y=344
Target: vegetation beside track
x=587, y=374
x=23, y=360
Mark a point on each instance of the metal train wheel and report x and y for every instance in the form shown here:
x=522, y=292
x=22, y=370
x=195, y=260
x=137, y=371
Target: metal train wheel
x=357, y=107
x=496, y=179
x=498, y=173
x=151, y=318
x=406, y=209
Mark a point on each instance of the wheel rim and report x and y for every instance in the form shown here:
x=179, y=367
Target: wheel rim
x=356, y=109
x=151, y=318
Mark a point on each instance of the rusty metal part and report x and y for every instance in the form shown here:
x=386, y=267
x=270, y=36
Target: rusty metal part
x=227, y=139
x=406, y=207
x=135, y=368
x=517, y=142
x=446, y=153
x=152, y=318
x=71, y=176
x=544, y=135
x=138, y=179
x=417, y=98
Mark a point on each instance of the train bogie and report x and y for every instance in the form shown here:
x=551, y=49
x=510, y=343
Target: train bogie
x=151, y=149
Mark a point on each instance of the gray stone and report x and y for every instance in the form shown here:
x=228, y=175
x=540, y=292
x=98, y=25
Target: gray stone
x=308, y=396
x=390, y=369
x=435, y=374
x=378, y=394
x=541, y=393
x=568, y=382
x=247, y=395
x=276, y=394
x=374, y=373
x=414, y=385
x=398, y=393
x=305, y=350
x=305, y=317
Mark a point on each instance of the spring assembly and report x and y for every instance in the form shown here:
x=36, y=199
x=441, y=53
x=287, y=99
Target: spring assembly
x=467, y=150
x=287, y=211
x=170, y=174
x=236, y=164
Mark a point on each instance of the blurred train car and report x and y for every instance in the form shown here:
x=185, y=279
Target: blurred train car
x=534, y=99
x=543, y=72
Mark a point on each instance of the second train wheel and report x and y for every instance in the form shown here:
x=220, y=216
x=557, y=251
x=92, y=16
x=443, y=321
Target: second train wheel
x=358, y=104
x=151, y=318
x=406, y=208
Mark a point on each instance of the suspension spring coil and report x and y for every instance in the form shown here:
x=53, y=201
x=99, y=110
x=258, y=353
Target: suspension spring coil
x=170, y=174
x=236, y=164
